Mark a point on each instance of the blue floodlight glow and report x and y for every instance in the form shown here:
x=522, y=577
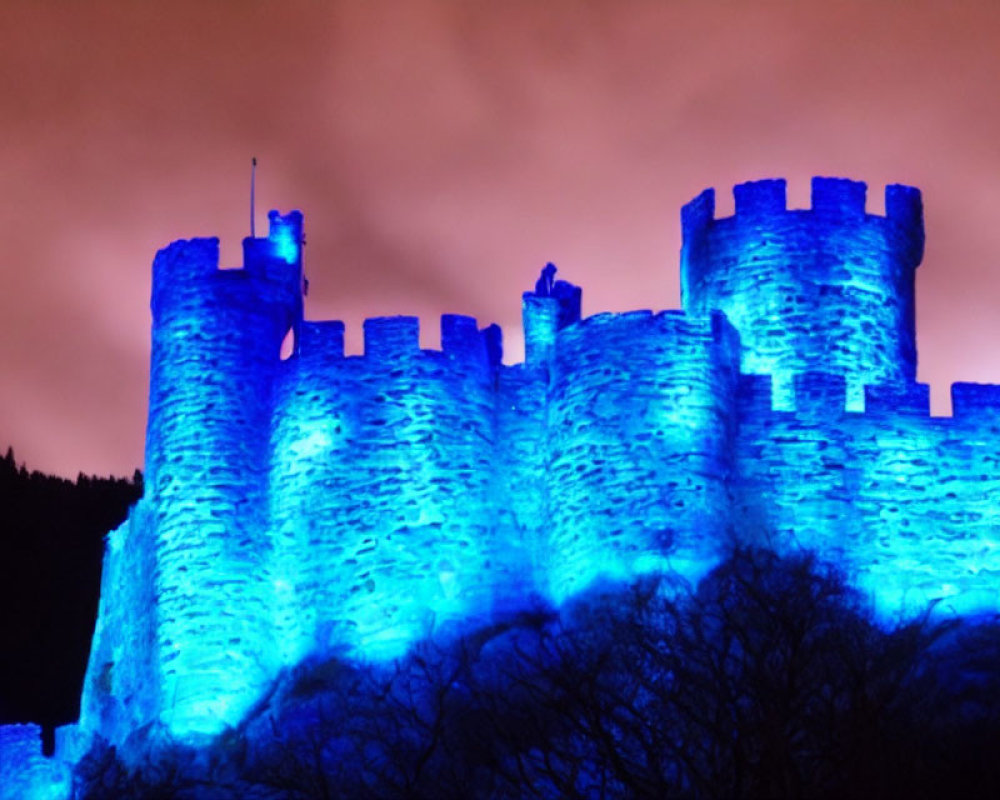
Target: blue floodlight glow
x=286, y=247
x=330, y=504
x=285, y=236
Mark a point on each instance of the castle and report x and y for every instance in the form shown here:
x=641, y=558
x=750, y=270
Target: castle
x=323, y=503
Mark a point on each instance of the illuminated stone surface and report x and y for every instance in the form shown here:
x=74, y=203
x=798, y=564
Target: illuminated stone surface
x=25, y=774
x=827, y=289
x=324, y=503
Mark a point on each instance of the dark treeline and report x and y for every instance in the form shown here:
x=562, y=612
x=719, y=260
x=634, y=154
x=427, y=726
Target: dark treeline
x=769, y=680
x=51, y=544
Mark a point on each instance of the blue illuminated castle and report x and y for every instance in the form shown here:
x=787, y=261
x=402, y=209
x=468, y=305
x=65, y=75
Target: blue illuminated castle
x=324, y=503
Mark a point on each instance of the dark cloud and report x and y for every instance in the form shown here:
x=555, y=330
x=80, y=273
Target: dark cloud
x=443, y=151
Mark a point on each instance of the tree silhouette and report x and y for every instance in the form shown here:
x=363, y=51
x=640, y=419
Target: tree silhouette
x=51, y=544
x=771, y=679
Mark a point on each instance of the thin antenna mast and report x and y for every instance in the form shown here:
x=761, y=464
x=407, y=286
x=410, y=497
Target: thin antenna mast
x=253, y=182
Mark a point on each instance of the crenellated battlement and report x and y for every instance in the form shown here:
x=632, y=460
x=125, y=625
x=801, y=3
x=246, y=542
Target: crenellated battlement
x=391, y=338
x=324, y=503
x=388, y=340
x=837, y=210
x=837, y=199
x=911, y=400
x=186, y=273
x=976, y=400
x=826, y=395
x=321, y=341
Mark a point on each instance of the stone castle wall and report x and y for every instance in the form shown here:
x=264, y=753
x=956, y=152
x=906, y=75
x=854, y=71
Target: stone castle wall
x=908, y=503
x=217, y=336
x=330, y=503
x=27, y=774
x=382, y=485
x=638, y=436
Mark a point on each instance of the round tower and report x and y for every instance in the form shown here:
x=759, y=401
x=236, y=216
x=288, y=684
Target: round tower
x=217, y=337
x=639, y=442
x=826, y=289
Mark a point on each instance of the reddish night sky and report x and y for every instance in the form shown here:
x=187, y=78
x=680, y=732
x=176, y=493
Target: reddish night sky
x=442, y=152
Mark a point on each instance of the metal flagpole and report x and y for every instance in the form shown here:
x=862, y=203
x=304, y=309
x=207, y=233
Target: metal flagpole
x=253, y=181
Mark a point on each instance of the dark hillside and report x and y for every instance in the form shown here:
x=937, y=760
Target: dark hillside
x=51, y=543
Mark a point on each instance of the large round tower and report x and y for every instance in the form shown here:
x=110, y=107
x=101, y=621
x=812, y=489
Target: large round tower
x=827, y=289
x=217, y=337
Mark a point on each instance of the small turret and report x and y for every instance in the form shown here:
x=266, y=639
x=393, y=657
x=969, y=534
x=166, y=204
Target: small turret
x=550, y=308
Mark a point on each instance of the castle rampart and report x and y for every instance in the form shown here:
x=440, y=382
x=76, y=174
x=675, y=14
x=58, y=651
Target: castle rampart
x=905, y=501
x=323, y=503
x=381, y=484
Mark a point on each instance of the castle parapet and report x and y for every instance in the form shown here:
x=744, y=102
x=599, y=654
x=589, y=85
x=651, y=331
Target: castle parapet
x=980, y=400
x=182, y=267
x=831, y=198
x=459, y=333
x=904, y=208
x=186, y=274
x=838, y=198
x=322, y=341
x=25, y=773
x=913, y=399
x=283, y=244
x=462, y=339
x=392, y=337
x=755, y=199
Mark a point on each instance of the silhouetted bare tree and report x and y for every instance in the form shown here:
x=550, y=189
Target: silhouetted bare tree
x=770, y=680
